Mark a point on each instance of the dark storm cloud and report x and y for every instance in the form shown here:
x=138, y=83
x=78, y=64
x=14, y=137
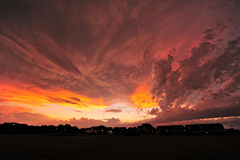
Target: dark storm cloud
x=193, y=75
x=45, y=54
x=11, y=8
x=232, y=85
x=160, y=71
x=154, y=111
x=209, y=37
x=23, y=32
x=184, y=114
x=175, y=86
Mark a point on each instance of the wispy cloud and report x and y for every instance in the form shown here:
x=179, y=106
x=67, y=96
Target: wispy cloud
x=113, y=110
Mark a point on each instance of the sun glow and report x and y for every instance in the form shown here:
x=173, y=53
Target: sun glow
x=41, y=98
x=183, y=106
x=142, y=97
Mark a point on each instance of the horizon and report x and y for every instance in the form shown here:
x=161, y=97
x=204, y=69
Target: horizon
x=104, y=125
x=120, y=63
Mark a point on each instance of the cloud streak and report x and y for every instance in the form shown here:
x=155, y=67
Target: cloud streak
x=113, y=110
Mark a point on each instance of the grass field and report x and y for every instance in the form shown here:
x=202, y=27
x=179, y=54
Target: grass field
x=119, y=147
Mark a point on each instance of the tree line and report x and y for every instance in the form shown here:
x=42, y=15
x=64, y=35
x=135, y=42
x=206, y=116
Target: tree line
x=144, y=129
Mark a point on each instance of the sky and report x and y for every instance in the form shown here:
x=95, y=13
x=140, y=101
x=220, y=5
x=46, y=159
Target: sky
x=120, y=63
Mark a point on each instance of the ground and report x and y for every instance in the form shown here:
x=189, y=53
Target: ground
x=118, y=147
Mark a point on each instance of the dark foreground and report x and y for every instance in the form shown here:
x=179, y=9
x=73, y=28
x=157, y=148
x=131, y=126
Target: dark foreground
x=119, y=147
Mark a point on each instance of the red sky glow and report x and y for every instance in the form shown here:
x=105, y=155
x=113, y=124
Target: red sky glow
x=120, y=63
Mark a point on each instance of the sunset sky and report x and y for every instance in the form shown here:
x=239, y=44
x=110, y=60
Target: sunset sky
x=120, y=63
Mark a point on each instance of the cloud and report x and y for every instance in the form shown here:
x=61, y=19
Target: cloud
x=2, y=100
x=207, y=109
x=104, y=50
x=32, y=118
x=7, y=111
x=24, y=116
x=14, y=109
x=135, y=78
x=87, y=50
x=59, y=100
x=54, y=58
x=76, y=99
x=159, y=72
x=27, y=115
x=78, y=111
x=113, y=110
x=204, y=85
x=69, y=53
x=30, y=95
x=112, y=120
x=154, y=111
x=173, y=87
x=88, y=122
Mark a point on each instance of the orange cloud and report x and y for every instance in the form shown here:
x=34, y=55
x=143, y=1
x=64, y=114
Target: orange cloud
x=142, y=97
x=40, y=97
x=13, y=109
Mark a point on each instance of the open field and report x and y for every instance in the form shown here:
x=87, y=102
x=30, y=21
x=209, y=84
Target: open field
x=119, y=147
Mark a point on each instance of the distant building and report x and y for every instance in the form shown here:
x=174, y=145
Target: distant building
x=101, y=130
x=86, y=130
x=119, y=131
x=146, y=129
x=205, y=129
x=132, y=131
x=170, y=130
x=231, y=132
